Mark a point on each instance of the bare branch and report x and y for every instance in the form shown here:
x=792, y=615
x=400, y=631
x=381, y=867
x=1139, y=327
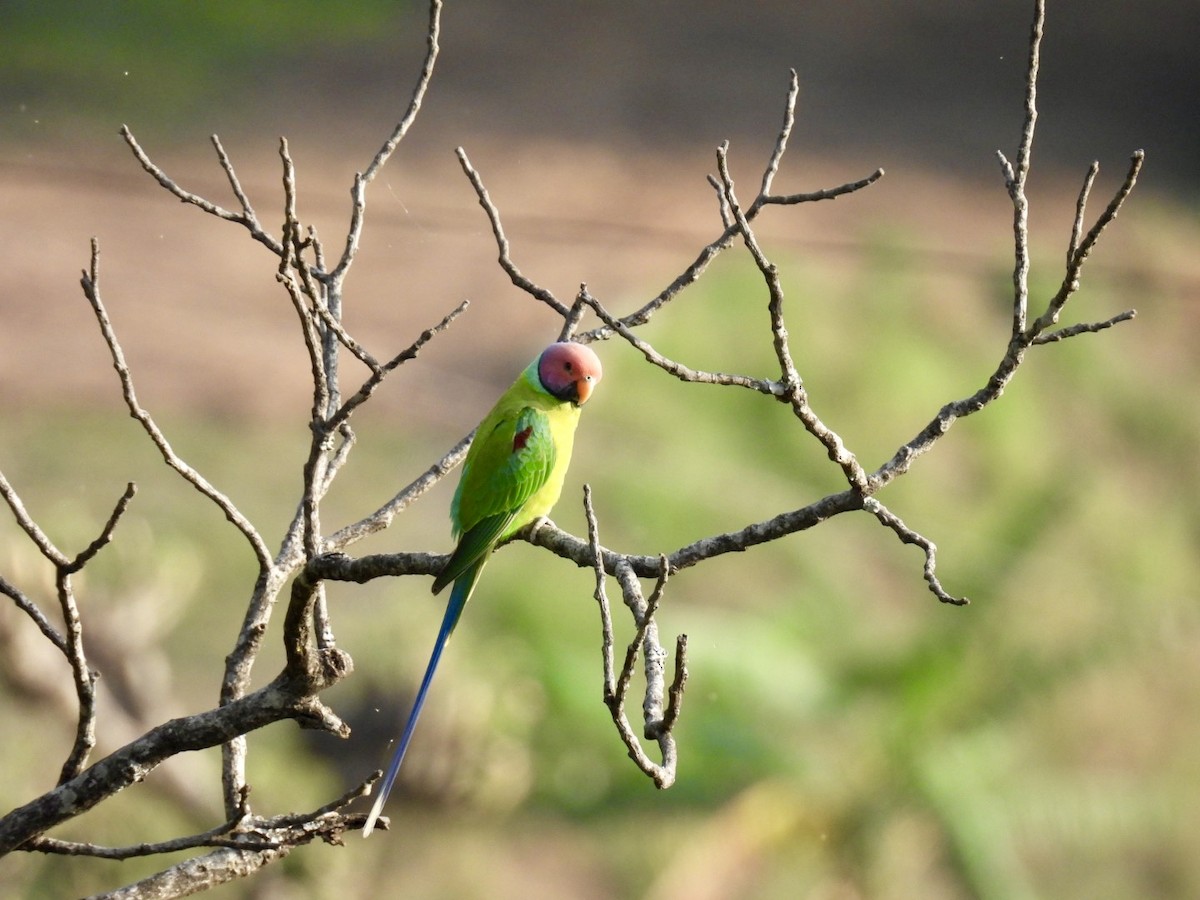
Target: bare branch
x=1085, y=328
x=908, y=536
x=382, y=517
x=833, y=193
x=575, y=315
x=789, y=120
x=91, y=289
x=1023, y=337
x=793, y=392
x=658, y=726
x=358, y=193
x=312, y=340
x=1031, y=77
x=39, y=618
x=83, y=677
x=950, y=413
x=106, y=533
x=199, y=873
x=432, y=33
x=505, y=259
x=338, y=566
x=578, y=551
x=70, y=642
x=381, y=372
x=256, y=843
x=82, y=674
x=214, y=837
x=606, y=625
x=1015, y=177
x=235, y=184
x=30, y=527
x=133, y=762
x=1080, y=209
x=679, y=370
x=709, y=252
x=245, y=218
x=1070, y=282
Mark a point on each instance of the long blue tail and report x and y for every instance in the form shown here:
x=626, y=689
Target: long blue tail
x=458, y=599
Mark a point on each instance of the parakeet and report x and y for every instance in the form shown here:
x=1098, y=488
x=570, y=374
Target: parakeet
x=512, y=476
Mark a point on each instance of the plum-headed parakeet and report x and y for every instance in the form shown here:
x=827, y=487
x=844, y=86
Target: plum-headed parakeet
x=512, y=476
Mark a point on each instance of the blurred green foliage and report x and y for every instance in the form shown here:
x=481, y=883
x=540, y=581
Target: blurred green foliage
x=169, y=61
x=843, y=734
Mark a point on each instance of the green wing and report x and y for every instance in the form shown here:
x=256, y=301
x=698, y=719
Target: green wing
x=510, y=460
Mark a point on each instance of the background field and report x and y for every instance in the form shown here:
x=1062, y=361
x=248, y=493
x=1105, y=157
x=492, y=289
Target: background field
x=844, y=735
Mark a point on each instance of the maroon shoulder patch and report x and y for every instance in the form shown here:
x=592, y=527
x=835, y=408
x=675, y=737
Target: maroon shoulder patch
x=521, y=438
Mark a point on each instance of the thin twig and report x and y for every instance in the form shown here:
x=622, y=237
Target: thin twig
x=1085, y=328
x=1071, y=279
x=606, y=625
x=382, y=518
x=70, y=641
x=381, y=372
x=245, y=219
x=908, y=536
x=677, y=369
x=1015, y=177
x=91, y=289
x=659, y=722
x=214, y=837
x=789, y=120
x=710, y=251
x=235, y=184
x=793, y=393
x=575, y=315
x=832, y=193
x=312, y=339
x=39, y=618
x=1022, y=337
x=358, y=193
x=30, y=527
x=646, y=637
x=432, y=33
x=85, y=556
x=1080, y=208
x=505, y=258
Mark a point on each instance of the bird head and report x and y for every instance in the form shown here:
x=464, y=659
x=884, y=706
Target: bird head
x=569, y=371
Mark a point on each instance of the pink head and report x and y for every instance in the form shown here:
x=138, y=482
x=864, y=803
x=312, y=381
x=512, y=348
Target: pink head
x=569, y=371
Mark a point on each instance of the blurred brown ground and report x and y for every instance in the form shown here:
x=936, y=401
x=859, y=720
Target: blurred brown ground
x=593, y=128
x=175, y=279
